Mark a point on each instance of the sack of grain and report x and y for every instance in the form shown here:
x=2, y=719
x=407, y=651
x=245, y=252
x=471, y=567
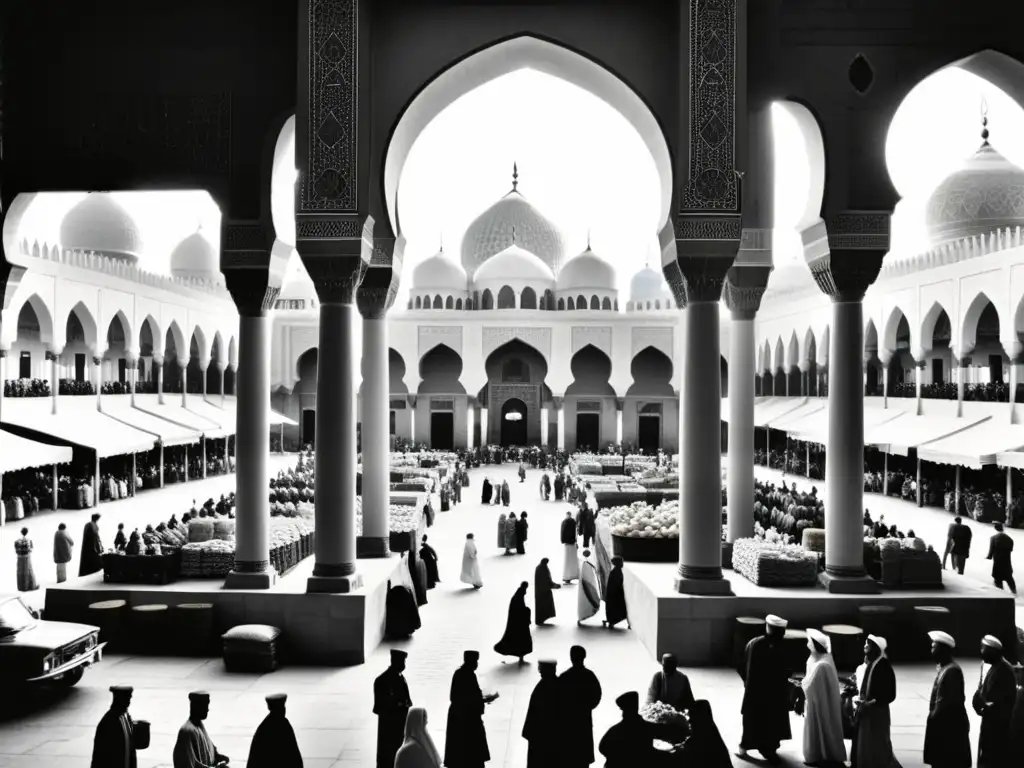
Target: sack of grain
x=200, y=529
x=224, y=529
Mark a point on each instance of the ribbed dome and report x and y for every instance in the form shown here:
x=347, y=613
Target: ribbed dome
x=588, y=270
x=491, y=232
x=648, y=285
x=514, y=263
x=99, y=224
x=439, y=272
x=986, y=194
x=194, y=257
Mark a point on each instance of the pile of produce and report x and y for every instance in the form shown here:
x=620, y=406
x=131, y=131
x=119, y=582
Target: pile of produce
x=642, y=521
x=662, y=714
x=207, y=559
x=769, y=562
x=402, y=518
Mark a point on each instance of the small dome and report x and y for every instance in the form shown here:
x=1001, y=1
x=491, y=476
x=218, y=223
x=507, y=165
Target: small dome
x=100, y=224
x=649, y=285
x=985, y=195
x=438, y=272
x=491, y=232
x=194, y=257
x=514, y=263
x=587, y=271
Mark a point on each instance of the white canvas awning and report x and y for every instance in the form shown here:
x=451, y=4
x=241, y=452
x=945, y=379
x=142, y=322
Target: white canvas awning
x=77, y=421
x=120, y=407
x=766, y=408
x=172, y=412
x=1013, y=459
x=813, y=428
x=231, y=406
x=21, y=453
x=912, y=431
x=974, y=447
x=809, y=408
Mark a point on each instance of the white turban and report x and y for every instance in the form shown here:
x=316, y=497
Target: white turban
x=879, y=642
x=992, y=642
x=943, y=638
x=820, y=638
x=774, y=621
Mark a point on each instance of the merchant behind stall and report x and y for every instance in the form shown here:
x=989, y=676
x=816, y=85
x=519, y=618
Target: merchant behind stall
x=670, y=686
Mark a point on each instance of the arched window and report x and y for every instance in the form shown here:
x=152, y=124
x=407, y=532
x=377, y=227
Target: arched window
x=657, y=303
x=607, y=303
x=410, y=303
x=549, y=300
x=572, y=303
x=487, y=300
x=648, y=305
x=506, y=298
x=449, y=303
x=595, y=303
x=581, y=302
x=615, y=306
x=437, y=302
x=418, y=303
x=458, y=304
x=528, y=300
x=561, y=304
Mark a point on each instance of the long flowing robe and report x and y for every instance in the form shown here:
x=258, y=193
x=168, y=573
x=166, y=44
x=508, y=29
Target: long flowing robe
x=485, y=492
x=704, y=748
x=522, y=527
x=465, y=743
x=559, y=487
x=501, y=530
x=765, y=695
x=517, y=640
x=401, y=614
x=947, y=741
x=630, y=743
x=872, y=743
x=571, y=559
x=274, y=744
x=615, y=597
x=544, y=729
x=510, y=533
x=999, y=690
x=580, y=695
x=823, y=718
x=92, y=550
x=419, y=750
x=194, y=748
x=543, y=599
x=429, y=557
x=24, y=572
x=506, y=494
x=113, y=746
x=391, y=704
x=588, y=596
x=470, y=565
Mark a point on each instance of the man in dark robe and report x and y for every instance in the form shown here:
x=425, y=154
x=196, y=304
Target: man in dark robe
x=960, y=544
x=630, y=742
x=1000, y=549
x=670, y=686
x=429, y=556
x=465, y=744
x=517, y=640
x=506, y=494
x=543, y=599
x=766, y=692
x=587, y=524
x=559, y=487
x=947, y=742
x=872, y=740
x=194, y=747
x=615, y=596
x=274, y=744
x=391, y=704
x=542, y=729
x=994, y=701
x=485, y=492
x=521, y=530
x=1015, y=754
x=580, y=693
x=91, y=560
x=116, y=742
x=401, y=612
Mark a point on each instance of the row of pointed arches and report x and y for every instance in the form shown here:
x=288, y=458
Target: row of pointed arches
x=507, y=298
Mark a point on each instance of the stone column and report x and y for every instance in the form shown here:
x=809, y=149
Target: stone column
x=133, y=375
x=619, y=405
x=53, y=358
x=470, y=424
x=221, y=367
x=559, y=403
x=412, y=421
x=845, y=259
x=183, y=365
x=885, y=357
x=158, y=371
x=705, y=248
x=919, y=364
x=963, y=365
x=1013, y=351
x=97, y=377
x=744, y=286
x=374, y=297
x=253, y=275
x=484, y=442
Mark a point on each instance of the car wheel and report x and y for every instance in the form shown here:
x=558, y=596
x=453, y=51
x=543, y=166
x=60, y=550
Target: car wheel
x=70, y=679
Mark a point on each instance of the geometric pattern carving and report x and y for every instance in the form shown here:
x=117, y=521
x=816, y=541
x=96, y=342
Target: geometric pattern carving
x=662, y=339
x=329, y=182
x=859, y=231
x=432, y=335
x=538, y=338
x=600, y=337
x=328, y=228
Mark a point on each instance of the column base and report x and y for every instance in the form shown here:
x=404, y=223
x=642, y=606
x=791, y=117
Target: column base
x=373, y=547
x=849, y=585
x=715, y=587
x=241, y=580
x=334, y=585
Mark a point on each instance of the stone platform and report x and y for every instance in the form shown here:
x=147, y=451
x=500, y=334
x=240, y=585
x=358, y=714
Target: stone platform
x=700, y=629
x=335, y=630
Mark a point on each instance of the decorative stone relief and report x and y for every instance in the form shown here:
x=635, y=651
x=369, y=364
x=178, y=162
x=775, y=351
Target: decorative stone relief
x=538, y=338
x=661, y=339
x=432, y=335
x=600, y=337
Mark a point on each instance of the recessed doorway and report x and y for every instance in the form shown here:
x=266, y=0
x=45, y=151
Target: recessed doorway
x=588, y=431
x=309, y=427
x=442, y=430
x=513, y=422
x=648, y=433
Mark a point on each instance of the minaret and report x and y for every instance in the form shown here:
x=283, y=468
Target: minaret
x=515, y=176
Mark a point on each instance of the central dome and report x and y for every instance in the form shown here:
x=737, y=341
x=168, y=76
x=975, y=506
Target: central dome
x=491, y=232
x=100, y=224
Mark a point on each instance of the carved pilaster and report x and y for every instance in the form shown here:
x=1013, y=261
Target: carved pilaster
x=706, y=247
x=377, y=291
x=253, y=273
x=676, y=283
x=744, y=289
x=857, y=241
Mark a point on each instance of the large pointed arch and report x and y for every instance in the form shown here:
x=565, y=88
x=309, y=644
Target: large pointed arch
x=968, y=336
x=891, y=330
x=43, y=316
x=88, y=322
x=927, y=327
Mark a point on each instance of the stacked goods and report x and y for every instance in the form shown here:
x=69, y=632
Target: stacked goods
x=670, y=725
x=774, y=564
x=402, y=518
x=813, y=539
x=208, y=559
x=200, y=529
x=223, y=528
x=642, y=521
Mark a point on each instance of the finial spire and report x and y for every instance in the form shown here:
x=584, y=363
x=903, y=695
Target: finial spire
x=515, y=175
x=440, y=238
x=588, y=238
x=984, y=120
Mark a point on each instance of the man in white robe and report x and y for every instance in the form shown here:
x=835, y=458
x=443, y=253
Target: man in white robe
x=471, y=564
x=588, y=596
x=571, y=564
x=194, y=748
x=823, y=719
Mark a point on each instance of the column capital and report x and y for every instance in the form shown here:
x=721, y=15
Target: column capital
x=557, y=401
x=252, y=267
x=620, y=403
x=96, y=360
x=183, y=362
x=412, y=400
x=336, y=250
x=744, y=288
x=845, y=253
x=376, y=293
x=706, y=247
x=922, y=364
x=51, y=356
x=1013, y=350
x=158, y=359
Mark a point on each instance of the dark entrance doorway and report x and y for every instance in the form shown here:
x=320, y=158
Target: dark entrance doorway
x=309, y=427
x=588, y=431
x=937, y=370
x=442, y=430
x=648, y=433
x=513, y=422
x=79, y=367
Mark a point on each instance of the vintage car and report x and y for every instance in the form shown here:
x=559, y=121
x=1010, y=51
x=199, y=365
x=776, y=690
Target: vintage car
x=34, y=651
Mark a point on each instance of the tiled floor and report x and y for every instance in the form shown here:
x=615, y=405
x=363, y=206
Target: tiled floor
x=331, y=708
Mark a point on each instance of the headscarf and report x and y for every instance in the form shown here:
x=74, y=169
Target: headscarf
x=416, y=733
x=820, y=643
x=879, y=642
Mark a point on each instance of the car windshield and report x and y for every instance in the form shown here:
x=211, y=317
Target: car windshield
x=14, y=617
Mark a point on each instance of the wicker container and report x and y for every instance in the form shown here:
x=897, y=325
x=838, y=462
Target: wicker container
x=109, y=616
